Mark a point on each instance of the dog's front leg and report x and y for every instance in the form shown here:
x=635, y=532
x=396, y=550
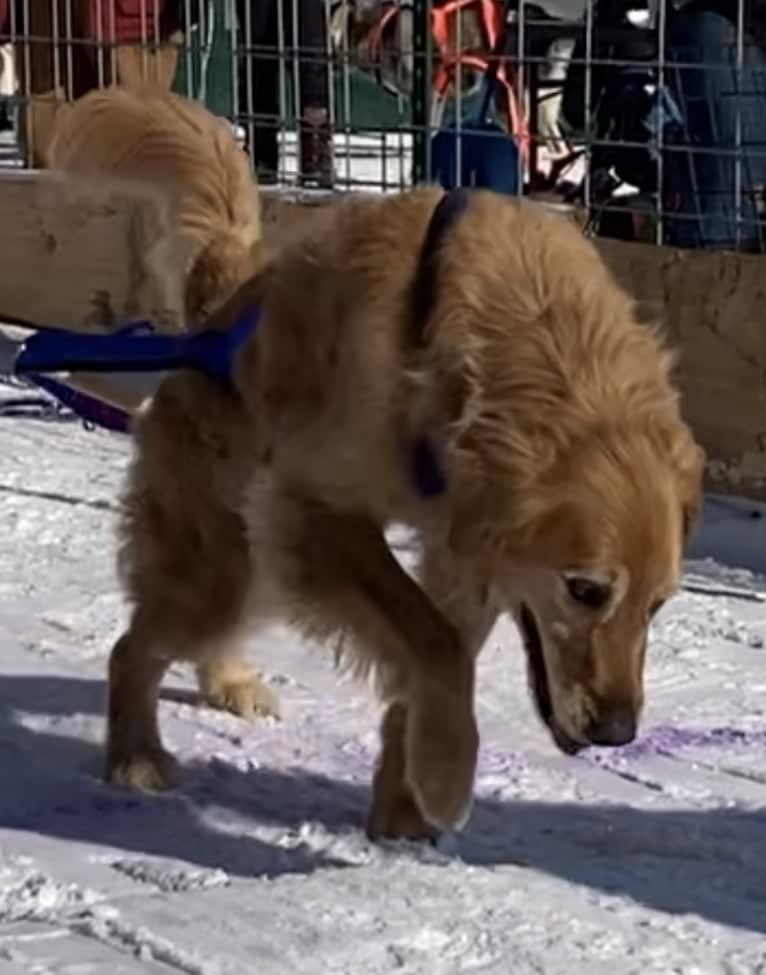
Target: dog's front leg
x=340, y=576
x=467, y=602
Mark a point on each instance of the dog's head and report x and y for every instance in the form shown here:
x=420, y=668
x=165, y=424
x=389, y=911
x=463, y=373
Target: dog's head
x=577, y=482
x=606, y=553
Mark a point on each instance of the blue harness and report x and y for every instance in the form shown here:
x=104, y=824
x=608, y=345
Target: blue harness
x=139, y=348
x=136, y=348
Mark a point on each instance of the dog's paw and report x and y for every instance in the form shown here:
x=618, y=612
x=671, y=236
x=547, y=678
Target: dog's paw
x=441, y=750
x=243, y=693
x=151, y=771
x=397, y=818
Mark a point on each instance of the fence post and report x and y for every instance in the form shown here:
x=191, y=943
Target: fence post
x=421, y=91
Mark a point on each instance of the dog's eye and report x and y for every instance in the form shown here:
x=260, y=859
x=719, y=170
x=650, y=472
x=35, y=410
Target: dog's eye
x=594, y=595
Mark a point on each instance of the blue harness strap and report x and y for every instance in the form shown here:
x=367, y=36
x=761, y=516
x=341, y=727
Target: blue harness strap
x=136, y=348
x=423, y=289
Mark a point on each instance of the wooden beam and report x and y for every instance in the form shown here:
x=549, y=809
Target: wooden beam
x=72, y=253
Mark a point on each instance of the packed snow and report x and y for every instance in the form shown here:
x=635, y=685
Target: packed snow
x=649, y=859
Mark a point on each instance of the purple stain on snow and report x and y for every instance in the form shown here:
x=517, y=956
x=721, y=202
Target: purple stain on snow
x=659, y=740
x=355, y=759
x=665, y=739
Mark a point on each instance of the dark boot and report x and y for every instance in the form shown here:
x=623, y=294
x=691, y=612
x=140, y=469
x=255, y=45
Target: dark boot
x=317, y=164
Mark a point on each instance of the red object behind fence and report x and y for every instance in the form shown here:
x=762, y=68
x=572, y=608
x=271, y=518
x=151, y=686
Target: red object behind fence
x=129, y=21
x=121, y=21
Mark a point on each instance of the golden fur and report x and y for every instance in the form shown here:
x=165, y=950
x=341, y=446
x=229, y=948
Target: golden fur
x=191, y=157
x=572, y=483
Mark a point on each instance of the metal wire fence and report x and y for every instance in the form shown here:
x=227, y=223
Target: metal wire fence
x=648, y=117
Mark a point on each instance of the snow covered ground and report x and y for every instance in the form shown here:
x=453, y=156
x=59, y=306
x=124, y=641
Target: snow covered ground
x=647, y=860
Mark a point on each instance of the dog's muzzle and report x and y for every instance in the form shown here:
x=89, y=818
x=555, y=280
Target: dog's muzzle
x=540, y=685
x=611, y=727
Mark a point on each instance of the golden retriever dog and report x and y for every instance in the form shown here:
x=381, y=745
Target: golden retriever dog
x=190, y=156
x=491, y=388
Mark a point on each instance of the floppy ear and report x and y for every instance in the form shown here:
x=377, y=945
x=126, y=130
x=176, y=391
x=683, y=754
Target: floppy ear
x=433, y=413
x=686, y=461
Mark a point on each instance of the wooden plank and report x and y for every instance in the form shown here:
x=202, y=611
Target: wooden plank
x=72, y=253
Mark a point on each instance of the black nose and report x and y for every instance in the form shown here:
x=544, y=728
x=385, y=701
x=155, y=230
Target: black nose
x=613, y=728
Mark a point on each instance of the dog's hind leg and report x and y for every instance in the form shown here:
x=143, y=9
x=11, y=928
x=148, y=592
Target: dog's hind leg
x=134, y=753
x=186, y=564
x=228, y=682
x=393, y=813
x=135, y=756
